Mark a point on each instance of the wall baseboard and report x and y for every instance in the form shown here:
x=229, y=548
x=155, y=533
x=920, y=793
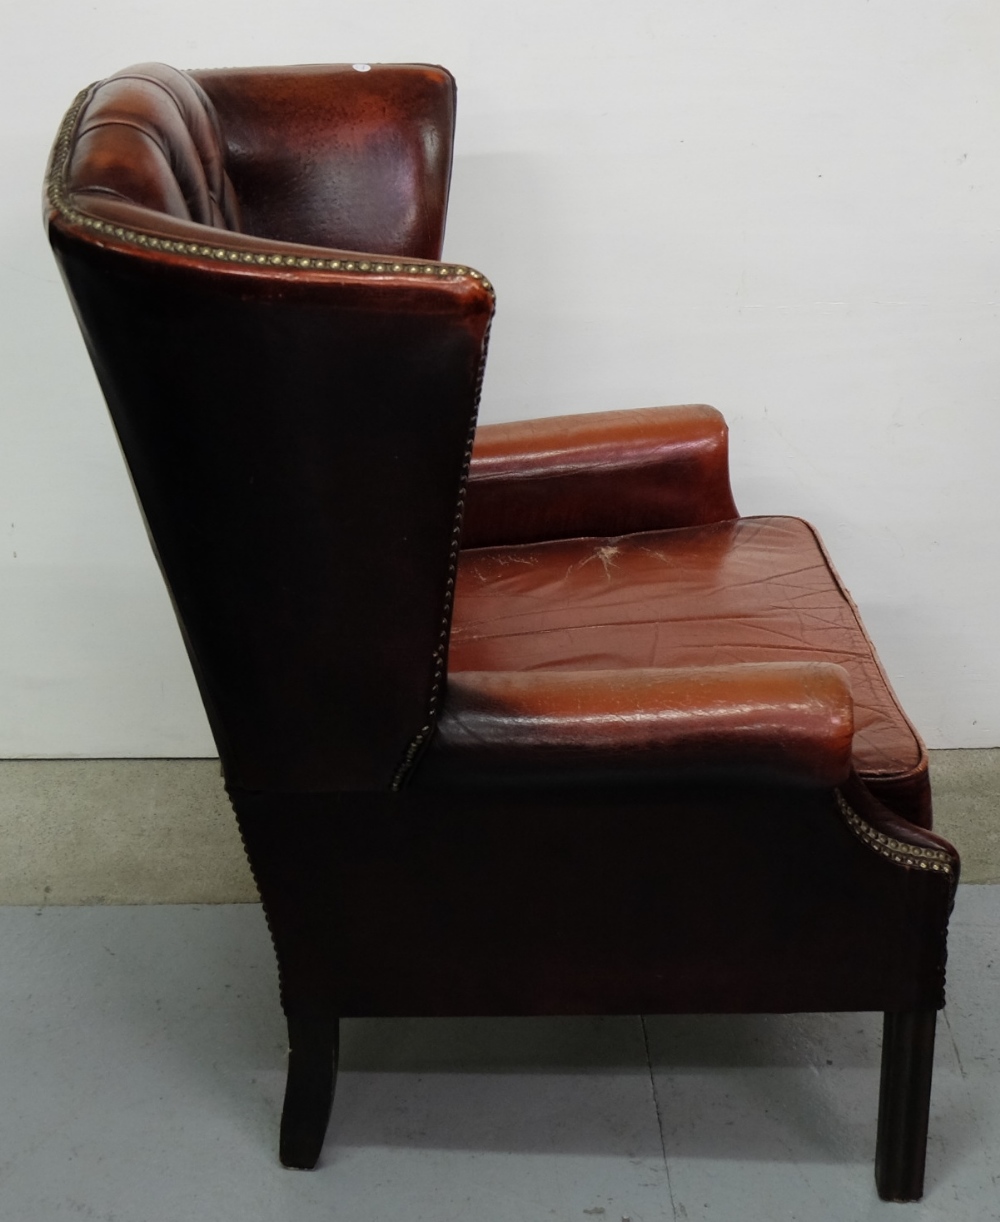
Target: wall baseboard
x=158, y=831
x=966, y=788
x=127, y=831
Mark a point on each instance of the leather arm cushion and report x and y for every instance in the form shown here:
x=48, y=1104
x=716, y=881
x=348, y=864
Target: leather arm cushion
x=784, y=722
x=606, y=473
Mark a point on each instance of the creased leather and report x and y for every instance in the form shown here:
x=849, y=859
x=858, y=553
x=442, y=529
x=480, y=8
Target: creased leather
x=779, y=722
x=606, y=473
x=752, y=590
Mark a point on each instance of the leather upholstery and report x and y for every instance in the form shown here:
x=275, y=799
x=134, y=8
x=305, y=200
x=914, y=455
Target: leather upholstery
x=691, y=898
x=562, y=735
x=150, y=136
x=330, y=156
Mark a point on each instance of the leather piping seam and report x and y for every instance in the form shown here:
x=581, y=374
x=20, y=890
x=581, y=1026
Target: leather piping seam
x=440, y=655
x=911, y=856
x=59, y=198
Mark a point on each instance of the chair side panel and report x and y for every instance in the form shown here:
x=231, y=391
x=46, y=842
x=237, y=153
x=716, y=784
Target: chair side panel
x=591, y=900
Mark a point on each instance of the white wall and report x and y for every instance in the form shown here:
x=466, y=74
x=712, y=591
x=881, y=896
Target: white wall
x=787, y=209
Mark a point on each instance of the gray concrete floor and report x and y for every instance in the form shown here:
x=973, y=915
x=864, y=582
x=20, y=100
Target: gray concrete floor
x=142, y=1073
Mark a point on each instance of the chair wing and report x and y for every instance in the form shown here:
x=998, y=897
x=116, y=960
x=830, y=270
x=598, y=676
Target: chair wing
x=303, y=492
x=353, y=157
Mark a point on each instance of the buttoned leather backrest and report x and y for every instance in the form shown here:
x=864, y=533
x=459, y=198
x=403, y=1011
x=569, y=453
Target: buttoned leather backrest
x=150, y=136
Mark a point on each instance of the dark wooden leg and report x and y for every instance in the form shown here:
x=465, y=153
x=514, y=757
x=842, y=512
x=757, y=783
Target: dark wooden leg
x=904, y=1104
x=312, y=1074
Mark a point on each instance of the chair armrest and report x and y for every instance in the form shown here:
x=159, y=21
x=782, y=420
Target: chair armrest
x=608, y=473
x=777, y=722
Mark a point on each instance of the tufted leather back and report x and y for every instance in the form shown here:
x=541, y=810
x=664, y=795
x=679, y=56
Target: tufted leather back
x=150, y=136
x=296, y=417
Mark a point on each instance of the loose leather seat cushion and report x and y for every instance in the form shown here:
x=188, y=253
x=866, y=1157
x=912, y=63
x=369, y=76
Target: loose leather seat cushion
x=748, y=590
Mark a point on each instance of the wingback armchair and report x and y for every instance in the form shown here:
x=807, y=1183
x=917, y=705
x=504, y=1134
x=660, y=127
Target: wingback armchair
x=531, y=723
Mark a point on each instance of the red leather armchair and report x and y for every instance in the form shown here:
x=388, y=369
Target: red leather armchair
x=540, y=726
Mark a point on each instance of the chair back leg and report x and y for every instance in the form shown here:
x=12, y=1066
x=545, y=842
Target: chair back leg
x=904, y=1104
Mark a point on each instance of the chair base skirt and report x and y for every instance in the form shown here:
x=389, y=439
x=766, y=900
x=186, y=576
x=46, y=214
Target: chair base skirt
x=473, y=905
x=312, y=1074
x=904, y=1104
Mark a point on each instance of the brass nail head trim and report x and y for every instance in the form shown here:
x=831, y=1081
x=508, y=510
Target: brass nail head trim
x=909, y=855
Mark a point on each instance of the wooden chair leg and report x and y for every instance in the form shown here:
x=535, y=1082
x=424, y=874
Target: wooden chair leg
x=312, y=1074
x=904, y=1104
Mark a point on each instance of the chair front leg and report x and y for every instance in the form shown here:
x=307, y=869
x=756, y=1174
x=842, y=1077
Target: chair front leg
x=312, y=1074
x=904, y=1104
